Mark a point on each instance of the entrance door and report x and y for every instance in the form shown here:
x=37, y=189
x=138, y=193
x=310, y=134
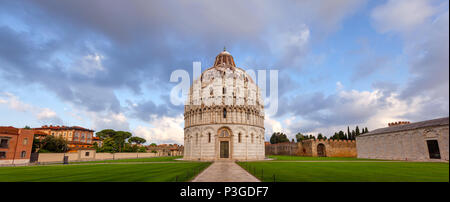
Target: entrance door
x=321, y=150
x=433, y=149
x=224, y=149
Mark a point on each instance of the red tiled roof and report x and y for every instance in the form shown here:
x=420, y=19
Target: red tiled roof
x=51, y=127
x=9, y=130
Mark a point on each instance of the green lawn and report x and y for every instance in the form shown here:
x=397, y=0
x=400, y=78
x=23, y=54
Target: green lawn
x=158, y=172
x=348, y=171
x=310, y=158
x=153, y=159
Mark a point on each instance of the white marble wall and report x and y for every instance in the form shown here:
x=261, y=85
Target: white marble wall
x=202, y=149
x=404, y=145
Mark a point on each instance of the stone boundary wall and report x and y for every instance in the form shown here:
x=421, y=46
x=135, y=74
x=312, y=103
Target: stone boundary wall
x=92, y=156
x=333, y=148
x=81, y=155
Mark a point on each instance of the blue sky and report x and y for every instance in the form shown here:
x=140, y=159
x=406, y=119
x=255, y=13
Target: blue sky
x=107, y=64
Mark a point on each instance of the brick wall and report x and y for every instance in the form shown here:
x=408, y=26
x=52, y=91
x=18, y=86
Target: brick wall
x=333, y=148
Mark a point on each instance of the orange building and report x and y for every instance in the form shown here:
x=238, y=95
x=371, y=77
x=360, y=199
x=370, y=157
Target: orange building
x=15, y=145
x=76, y=136
x=98, y=141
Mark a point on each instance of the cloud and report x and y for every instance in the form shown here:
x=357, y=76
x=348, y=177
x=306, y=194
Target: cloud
x=401, y=15
x=43, y=115
x=164, y=130
x=317, y=113
x=424, y=28
x=109, y=120
x=47, y=115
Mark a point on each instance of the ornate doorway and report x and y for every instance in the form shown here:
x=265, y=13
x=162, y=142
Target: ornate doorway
x=321, y=150
x=224, y=149
x=224, y=143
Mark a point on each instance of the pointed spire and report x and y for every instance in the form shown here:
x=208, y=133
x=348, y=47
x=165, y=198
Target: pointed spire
x=224, y=49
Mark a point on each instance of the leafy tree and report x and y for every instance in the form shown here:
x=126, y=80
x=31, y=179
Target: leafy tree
x=113, y=140
x=142, y=149
x=27, y=127
x=348, y=132
x=320, y=136
x=299, y=137
x=137, y=140
x=278, y=138
x=54, y=144
x=357, y=131
x=153, y=144
x=341, y=135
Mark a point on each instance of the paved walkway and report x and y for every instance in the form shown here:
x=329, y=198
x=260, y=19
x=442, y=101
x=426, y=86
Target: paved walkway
x=225, y=171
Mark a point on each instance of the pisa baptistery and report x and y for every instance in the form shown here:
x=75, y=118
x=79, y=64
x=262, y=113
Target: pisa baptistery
x=224, y=114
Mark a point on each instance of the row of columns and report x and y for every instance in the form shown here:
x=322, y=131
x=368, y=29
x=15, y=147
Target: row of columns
x=193, y=118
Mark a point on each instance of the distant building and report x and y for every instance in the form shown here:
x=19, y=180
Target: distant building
x=422, y=141
x=166, y=149
x=15, y=145
x=98, y=141
x=76, y=136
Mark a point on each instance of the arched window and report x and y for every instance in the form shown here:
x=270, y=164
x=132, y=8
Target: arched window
x=252, y=138
x=239, y=138
x=248, y=115
x=209, y=137
x=224, y=113
x=211, y=91
x=224, y=91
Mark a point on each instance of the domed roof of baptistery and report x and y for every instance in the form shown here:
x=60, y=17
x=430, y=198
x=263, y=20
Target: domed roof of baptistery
x=224, y=63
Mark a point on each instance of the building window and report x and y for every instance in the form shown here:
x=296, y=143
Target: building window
x=239, y=138
x=252, y=138
x=211, y=91
x=86, y=154
x=4, y=143
x=2, y=155
x=224, y=113
x=23, y=154
x=25, y=141
x=209, y=137
x=224, y=91
x=248, y=115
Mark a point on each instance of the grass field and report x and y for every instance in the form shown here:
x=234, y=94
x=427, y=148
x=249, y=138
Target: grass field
x=142, y=172
x=310, y=158
x=348, y=171
x=153, y=159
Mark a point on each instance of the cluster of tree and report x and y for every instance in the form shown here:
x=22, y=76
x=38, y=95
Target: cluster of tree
x=119, y=141
x=300, y=137
x=349, y=135
x=278, y=138
x=50, y=144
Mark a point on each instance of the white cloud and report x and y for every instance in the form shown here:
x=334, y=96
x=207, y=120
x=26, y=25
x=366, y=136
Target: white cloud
x=90, y=64
x=271, y=126
x=165, y=130
x=402, y=15
x=13, y=102
x=44, y=115
x=108, y=120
